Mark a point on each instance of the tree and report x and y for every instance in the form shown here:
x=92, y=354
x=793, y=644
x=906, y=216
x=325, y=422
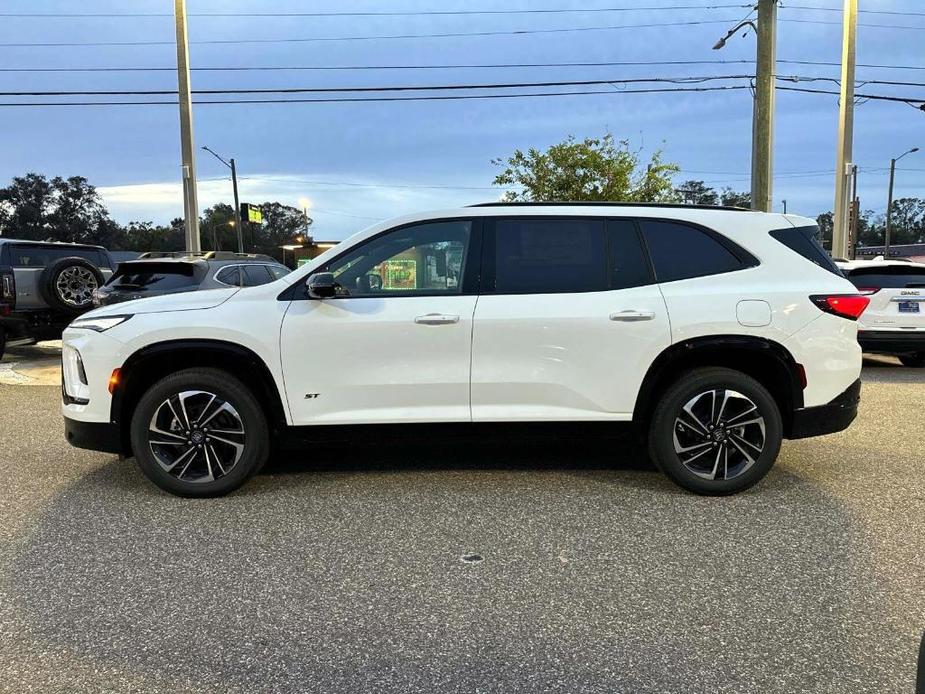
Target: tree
x=697, y=193
x=281, y=224
x=593, y=169
x=216, y=228
x=62, y=209
x=731, y=198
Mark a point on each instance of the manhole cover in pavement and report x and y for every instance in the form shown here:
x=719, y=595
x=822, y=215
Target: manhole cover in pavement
x=472, y=559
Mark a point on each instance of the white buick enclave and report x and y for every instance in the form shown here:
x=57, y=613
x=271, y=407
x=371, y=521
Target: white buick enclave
x=715, y=332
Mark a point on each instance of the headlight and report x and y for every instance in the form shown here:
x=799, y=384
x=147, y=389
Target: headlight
x=99, y=324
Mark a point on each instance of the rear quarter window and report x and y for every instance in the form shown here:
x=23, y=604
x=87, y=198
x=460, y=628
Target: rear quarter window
x=680, y=251
x=803, y=241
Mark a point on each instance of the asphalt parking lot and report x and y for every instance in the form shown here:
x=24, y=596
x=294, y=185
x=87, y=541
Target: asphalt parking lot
x=340, y=569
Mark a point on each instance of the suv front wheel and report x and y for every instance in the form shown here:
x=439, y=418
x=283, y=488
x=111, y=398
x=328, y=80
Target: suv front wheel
x=715, y=431
x=199, y=432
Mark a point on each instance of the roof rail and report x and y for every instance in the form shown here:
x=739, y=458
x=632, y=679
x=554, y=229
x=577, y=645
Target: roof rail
x=592, y=203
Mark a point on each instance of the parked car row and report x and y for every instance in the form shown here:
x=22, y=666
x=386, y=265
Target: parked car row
x=714, y=333
x=44, y=286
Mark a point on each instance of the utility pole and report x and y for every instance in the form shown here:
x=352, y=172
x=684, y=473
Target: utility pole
x=763, y=145
x=190, y=202
x=889, y=203
x=843, y=161
x=763, y=107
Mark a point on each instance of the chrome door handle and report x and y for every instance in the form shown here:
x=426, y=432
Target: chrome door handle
x=632, y=316
x=436, y=319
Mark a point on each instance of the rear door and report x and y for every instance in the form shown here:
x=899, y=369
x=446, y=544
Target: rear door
x=897, y=296
x=568, y=320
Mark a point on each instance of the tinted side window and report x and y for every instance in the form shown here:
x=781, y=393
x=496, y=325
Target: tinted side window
x=626, y=260
x=803, y=240
x=419, y=260
x=42, y=256
x=549, y=256
x=680, y=251
x=229, y=275
x=255, y=275
x=278, y=271
x=888, y=277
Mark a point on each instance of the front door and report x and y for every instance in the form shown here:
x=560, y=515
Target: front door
x=394, y=344
x=569, y=320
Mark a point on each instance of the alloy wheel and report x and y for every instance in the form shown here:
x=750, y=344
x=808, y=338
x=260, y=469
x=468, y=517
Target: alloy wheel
x=719, y=434
x=196, y=436
x=75, y=286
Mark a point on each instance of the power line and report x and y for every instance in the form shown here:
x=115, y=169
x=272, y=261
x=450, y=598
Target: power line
x=397, y=88
x=314, y=39
x=871, y=26
x=431, y=13
x=453, y=66
x=450, y=97
x=396, y=13
x=688, y=79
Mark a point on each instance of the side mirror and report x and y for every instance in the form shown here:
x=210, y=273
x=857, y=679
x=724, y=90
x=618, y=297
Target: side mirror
x=321, y=285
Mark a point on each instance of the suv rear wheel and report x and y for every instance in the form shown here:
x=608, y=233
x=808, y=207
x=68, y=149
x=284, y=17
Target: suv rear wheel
x=915, y=361
x=715, y=431
x=199, y=432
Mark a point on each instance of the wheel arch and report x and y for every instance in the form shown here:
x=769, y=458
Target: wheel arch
x=767, y=361
x=149, y=364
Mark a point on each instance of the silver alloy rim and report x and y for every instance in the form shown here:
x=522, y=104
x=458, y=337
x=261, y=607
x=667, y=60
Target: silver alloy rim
x=75, y=286
x=196, y=436
x=719, y=434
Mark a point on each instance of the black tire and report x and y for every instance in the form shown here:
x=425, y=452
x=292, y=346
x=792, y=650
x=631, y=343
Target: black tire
x=194, y=480
x=74, y=296
x=913, y=361
x=2, y=342
x=720, y=434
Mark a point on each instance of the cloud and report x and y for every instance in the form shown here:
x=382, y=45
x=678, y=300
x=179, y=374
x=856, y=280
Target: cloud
x=338, y=207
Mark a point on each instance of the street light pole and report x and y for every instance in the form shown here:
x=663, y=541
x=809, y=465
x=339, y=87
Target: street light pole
x=845, y=130
x=190, y=198
x=889, y=203
x=237, y=204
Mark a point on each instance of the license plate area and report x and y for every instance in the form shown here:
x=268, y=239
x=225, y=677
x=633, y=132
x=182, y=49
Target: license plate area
x=909, y=307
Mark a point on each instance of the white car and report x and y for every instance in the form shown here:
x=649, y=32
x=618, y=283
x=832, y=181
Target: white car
x=894, y=323
x=716, y=332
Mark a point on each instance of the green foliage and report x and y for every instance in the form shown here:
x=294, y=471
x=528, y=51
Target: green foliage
x=595, y=169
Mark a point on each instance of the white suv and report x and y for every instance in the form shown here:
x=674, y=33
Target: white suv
x=894, y=323
x=717, y=332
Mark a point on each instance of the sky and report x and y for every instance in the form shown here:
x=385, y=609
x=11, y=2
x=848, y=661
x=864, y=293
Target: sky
x=362, y=162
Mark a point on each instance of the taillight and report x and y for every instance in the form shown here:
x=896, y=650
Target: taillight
x=867, y=291
x=8, y=287
x=849, y=306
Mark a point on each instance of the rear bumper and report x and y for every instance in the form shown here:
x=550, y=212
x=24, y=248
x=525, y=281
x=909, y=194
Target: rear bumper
x=832, y=417
x=94, y=436
x=892, y=341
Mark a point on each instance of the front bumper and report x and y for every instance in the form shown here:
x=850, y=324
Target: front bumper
x=829, y=418
x=95, y=436
x=892, y=341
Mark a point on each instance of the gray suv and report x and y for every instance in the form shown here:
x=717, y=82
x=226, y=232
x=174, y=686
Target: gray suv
x=44, y=285
x=153, y=274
